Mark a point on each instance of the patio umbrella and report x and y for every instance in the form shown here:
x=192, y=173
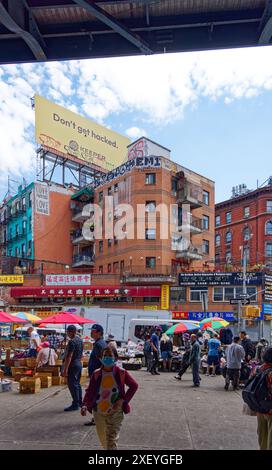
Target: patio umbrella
x=27, y=316
x=65, y=318
x=214, y=322
x=182, y=327
x=7, y=318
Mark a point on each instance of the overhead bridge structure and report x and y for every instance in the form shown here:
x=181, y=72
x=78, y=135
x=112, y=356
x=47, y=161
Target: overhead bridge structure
x=45, y=30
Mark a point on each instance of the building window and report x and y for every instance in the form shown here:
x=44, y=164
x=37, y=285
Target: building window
x=150, y=262
x=109, y=191
x=206, y=222
x=246, y=234
x=246, y=252
x=174, y=185
x=217, y=258
x=150, y=206
x=228, y=217
x=30, y=224
x=116, y=188
x=196, y=294
x=109, y=242
x=206, y=247
x=218, y=294
x=17, y=230
x=101, y=246
x=206, y=197
x=30, y=199
x=115, y=267
x=269, y=206
x=177, y=295
x=218, y=240
x=109, y=268
x=29, y=248
x=150, y=234
x=152, y=299
x=268, y=249
x=100, y=197
x=115, y=240
x=150, y=178
x=228, y=237
x=228, y=257
x=100, y=269
x=218, y=221
x=268, y=227
x=122, y=265
x=23, y=250
x=229, y=293
x=246, y=211
x=24, y=226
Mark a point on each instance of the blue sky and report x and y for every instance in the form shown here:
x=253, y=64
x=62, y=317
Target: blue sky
x=212, y=109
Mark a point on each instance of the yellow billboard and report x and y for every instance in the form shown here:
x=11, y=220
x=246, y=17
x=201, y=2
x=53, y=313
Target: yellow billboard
x=77, y=138
x=11, y=280
x=165, y=294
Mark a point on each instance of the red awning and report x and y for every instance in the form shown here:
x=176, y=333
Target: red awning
x=85, y=291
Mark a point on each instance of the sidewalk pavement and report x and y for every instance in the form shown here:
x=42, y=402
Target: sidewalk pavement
x=166, y=415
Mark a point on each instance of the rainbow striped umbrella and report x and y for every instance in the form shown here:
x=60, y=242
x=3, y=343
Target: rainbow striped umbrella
x=215, y=323
x=182, y=327
x=27, y=316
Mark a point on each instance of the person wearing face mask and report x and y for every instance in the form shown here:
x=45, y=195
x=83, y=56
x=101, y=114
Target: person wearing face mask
x=108, y=400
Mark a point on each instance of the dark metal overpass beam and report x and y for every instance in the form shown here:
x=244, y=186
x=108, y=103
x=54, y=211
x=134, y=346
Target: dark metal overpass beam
x=118, y=27
x=9, y=23
x=266, y=24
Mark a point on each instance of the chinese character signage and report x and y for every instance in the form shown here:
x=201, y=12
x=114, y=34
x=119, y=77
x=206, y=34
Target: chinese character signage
x=180, y=315
x=68, y=280
x=165, y=297
x=268, y=287
x=198, y=316
x=219, y=279
x=267, y=309
x=84, y=291
x=11, y=280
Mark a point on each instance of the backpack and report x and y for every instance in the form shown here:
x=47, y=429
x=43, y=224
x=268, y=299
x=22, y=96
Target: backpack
x=256, y=394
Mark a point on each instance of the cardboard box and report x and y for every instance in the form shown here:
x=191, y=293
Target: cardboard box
x=54, y=371
x=83, y=380
x=31, y=362
x=19, y=375
x=30, y=385
x=84, y=372
x=46, y=380
x=56, y=380
x=63, y=380
x=15, y=370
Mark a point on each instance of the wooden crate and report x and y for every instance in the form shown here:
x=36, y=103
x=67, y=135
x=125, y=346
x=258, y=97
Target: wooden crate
x=30, y=385
x=46, y=380
x=83, y=380
x=53, y=370
x=85, y=361
x=15, y=370
x=63, y=380
x=1, y=374
x=19, y=375
x=84, y=372
x=56, y=380
x=31, y=362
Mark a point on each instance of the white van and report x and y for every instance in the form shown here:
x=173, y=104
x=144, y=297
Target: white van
x=116, y=321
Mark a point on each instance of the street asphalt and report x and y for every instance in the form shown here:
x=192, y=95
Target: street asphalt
x=166, y=415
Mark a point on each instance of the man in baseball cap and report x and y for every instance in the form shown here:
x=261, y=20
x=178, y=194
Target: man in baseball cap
x=99, y=345
x=72, y=367
x=155, y=346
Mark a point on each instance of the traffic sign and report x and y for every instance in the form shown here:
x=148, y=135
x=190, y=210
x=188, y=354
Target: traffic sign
x=242, y=301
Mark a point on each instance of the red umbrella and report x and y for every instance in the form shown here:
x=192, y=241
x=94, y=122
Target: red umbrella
x=7, y=318
x=64, y=318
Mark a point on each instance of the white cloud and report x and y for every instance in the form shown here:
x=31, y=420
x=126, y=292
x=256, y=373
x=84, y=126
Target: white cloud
x=135, y=132
x=158, y=89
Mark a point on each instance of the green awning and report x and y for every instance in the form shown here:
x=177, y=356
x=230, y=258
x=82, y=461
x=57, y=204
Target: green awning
x=84, y=195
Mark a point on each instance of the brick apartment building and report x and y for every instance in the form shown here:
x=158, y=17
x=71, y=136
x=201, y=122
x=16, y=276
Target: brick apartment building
x=244, y=221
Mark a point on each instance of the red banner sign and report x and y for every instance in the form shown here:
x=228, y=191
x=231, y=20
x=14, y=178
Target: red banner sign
x=180, y=315
x=84, y=291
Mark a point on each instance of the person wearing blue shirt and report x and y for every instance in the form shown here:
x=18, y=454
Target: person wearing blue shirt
x=214, y=346
x=155, y=346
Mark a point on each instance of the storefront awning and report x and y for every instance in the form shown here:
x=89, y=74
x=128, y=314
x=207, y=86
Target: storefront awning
x=84, y=195
x=85, y=291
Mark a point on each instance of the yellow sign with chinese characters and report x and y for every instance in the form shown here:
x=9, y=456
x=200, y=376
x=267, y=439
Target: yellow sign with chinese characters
x=11, y=280
x=165, y=290
x=77, y=138
x=251, y=311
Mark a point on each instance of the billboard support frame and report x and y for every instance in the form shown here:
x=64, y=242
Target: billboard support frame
x=77, y=169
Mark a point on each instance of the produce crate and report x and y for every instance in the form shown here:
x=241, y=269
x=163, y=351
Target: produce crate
x=30, y=385
x=56, y=380
x=15, y=370
x=1, y=374
x=31, y=362
x=84, y=372
x=46, y=380
x=83, y=380
x=50, y=370
x=19, y=375
x=63, y=380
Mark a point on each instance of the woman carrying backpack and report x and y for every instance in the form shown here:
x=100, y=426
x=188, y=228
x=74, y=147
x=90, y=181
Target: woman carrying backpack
x=265, y=420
